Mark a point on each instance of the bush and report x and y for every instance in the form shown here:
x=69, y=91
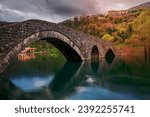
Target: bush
x=110, y=30
x=108, y=37
x=117, y=21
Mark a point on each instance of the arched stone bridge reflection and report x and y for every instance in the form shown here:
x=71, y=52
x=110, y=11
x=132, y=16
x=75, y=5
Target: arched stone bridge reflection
x=82, y=75
x=91, y=71
x=74, y=45
x=63, y=83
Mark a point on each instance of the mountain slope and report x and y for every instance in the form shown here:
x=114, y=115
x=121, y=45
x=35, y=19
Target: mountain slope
x=141, y=6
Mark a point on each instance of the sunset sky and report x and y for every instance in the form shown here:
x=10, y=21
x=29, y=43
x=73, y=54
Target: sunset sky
x=59, y=10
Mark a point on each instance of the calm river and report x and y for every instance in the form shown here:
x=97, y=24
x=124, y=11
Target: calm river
x=36, y=76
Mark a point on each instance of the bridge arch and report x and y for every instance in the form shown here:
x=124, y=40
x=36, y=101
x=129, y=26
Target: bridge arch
x=109, y=53
x=94, y=53
x=64, y=44
x=109, y=56
x=73, y=44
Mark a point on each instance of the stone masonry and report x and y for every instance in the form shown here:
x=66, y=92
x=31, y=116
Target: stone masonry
x=73, y=44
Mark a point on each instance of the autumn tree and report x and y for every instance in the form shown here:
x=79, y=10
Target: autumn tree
x=108, y=37
x=141, y=28
x=110, y=30
x=122, y=32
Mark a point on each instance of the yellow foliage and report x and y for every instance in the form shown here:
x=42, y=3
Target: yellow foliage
x=108, y=37
x=141, y=27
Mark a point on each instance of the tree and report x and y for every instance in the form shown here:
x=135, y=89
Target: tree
x=110, y=30
x=118, y=20
x=122, y=33
x=108, y=37
x=141, y=28
x=130, y=28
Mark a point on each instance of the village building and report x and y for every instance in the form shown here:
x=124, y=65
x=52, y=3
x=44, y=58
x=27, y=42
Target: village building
x=29, y=50
x=117, y=13
x=25, y=57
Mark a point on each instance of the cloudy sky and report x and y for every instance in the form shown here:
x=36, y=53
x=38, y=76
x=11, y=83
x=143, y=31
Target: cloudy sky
x=58, y=10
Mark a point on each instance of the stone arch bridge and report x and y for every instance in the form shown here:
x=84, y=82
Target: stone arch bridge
x=74, y=45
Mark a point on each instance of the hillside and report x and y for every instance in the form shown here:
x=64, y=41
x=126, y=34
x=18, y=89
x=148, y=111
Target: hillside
x=3, y=23
x=117, y=28
x=141, y=6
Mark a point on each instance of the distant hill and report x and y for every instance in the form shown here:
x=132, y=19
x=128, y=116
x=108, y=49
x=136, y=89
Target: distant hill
x=3, y=23
x=141, y=6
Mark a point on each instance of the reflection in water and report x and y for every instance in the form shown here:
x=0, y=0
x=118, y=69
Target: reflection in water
x=30, y=84
x=47, y=77
x=109, y=59
x=26, y=56
x=63, y=81
x=95, y=66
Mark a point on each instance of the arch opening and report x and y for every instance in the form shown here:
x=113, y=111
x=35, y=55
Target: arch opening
x=95, y=53
x=109, y=57
x=68, y=52
x=110, y=53
x=63, y=43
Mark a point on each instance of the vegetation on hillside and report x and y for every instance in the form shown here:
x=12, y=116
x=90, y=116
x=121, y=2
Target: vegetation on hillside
x=128, y=30
x=141, y=27
x=123, y=30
